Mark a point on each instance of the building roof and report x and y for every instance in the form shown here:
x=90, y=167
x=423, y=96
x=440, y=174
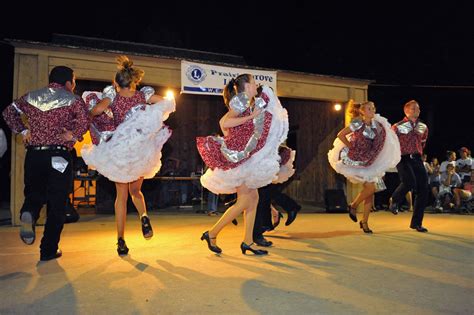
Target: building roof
x=142, y=49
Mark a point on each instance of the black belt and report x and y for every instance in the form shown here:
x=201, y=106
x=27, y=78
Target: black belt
x=413, y=156
x=47, y=147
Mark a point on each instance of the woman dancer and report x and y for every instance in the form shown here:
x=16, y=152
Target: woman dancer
x=371, y=149
x=132, y=151
x=246, y=158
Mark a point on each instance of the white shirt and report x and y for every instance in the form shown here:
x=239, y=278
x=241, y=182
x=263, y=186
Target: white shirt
x=455, y=180
x=442, y=168
x=463, y=162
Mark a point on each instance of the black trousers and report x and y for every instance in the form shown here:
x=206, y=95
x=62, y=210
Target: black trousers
x=46, y=185
x=267, y=194
x=412, y=177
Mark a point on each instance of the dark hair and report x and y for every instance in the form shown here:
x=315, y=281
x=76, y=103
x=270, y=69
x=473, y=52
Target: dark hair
x=127, y=75
x=235, y=86
x=61, y=74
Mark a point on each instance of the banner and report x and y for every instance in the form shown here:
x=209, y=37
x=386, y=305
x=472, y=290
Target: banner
x=199, y=78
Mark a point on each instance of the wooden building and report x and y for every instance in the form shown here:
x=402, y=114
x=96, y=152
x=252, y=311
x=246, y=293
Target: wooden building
x=309, y=99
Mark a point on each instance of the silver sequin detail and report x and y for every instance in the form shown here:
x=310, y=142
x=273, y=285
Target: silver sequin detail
x=92, y=103
x=103, y=136
x=17, y=108
x=347, y=160
x=240, y=102
x=420, y=128
x=369, y=130
x=356, y=124
x=235, y=156
x=109, y=91
x=47, y=98
x=260, y=103
x=406, y=127
x=133, y=110
x=59, y=163
x=148, y=91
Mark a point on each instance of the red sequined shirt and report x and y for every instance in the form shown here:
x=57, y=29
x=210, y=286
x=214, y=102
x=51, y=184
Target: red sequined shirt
x=237, y=138
x=47, y=123
x=412, y=136
x=363, y=148
x=121, y=105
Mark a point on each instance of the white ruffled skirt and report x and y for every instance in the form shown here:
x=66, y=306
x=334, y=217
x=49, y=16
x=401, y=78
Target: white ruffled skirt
x=262, y=167
x=286, y=170
x=388, y=158
x=134, y=150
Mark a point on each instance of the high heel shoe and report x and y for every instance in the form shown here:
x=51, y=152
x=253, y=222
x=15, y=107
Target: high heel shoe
x=353, y=213
x=213, y=248
x=277, y=221
x=244, y=248
x=365, y=227
x=147, y=230
x=122, y=248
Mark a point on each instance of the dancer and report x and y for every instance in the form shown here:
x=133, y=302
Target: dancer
x=412, y=134
x=56, y=120
x=272, y=192
x=246, y=158
x=132, y=151
x=372, y=149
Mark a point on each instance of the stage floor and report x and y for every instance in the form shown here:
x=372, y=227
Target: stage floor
x=321, y=264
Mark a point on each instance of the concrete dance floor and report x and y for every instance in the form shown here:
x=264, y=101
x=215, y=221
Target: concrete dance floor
x=321, y=264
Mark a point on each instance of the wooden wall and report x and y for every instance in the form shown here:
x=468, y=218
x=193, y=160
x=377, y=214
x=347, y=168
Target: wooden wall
x=313, y=127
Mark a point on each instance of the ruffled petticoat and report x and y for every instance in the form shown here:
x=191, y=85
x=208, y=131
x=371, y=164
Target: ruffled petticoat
x=387, y=158
x=134, y=150
x=263, y=166
x=286, y=170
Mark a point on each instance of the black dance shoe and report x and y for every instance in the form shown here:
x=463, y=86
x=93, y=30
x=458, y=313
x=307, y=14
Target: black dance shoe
x=261, y=241
x=122, y=248
x=365, y=227
x=56, y=255
x=147, y=230
x=419, y=228
x=244, y=248
x=353, y=213
x=213, y=248
x=277, y=221
x=27, y=229
x=393, y=207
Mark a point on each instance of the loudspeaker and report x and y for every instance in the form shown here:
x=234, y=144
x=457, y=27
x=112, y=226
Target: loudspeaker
x=335, y=201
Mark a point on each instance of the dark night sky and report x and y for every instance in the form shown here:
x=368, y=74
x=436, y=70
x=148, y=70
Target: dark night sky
x=390, y=43
x=395, y=42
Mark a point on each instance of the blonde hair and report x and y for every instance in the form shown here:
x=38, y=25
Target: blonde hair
x=354, y=108
x=127, y=76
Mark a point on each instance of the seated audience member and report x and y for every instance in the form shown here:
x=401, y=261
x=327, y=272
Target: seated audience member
x=450, y=183
x=434, y=178
x=464, y=165
x=451, y=157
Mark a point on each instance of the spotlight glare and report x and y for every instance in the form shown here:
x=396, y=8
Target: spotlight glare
x=169, y=94
x=337, y=107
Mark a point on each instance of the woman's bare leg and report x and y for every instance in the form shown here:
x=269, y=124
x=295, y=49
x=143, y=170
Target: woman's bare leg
x=121, y=208
x=249, y=215
x=243, y=201
x=137, y=196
